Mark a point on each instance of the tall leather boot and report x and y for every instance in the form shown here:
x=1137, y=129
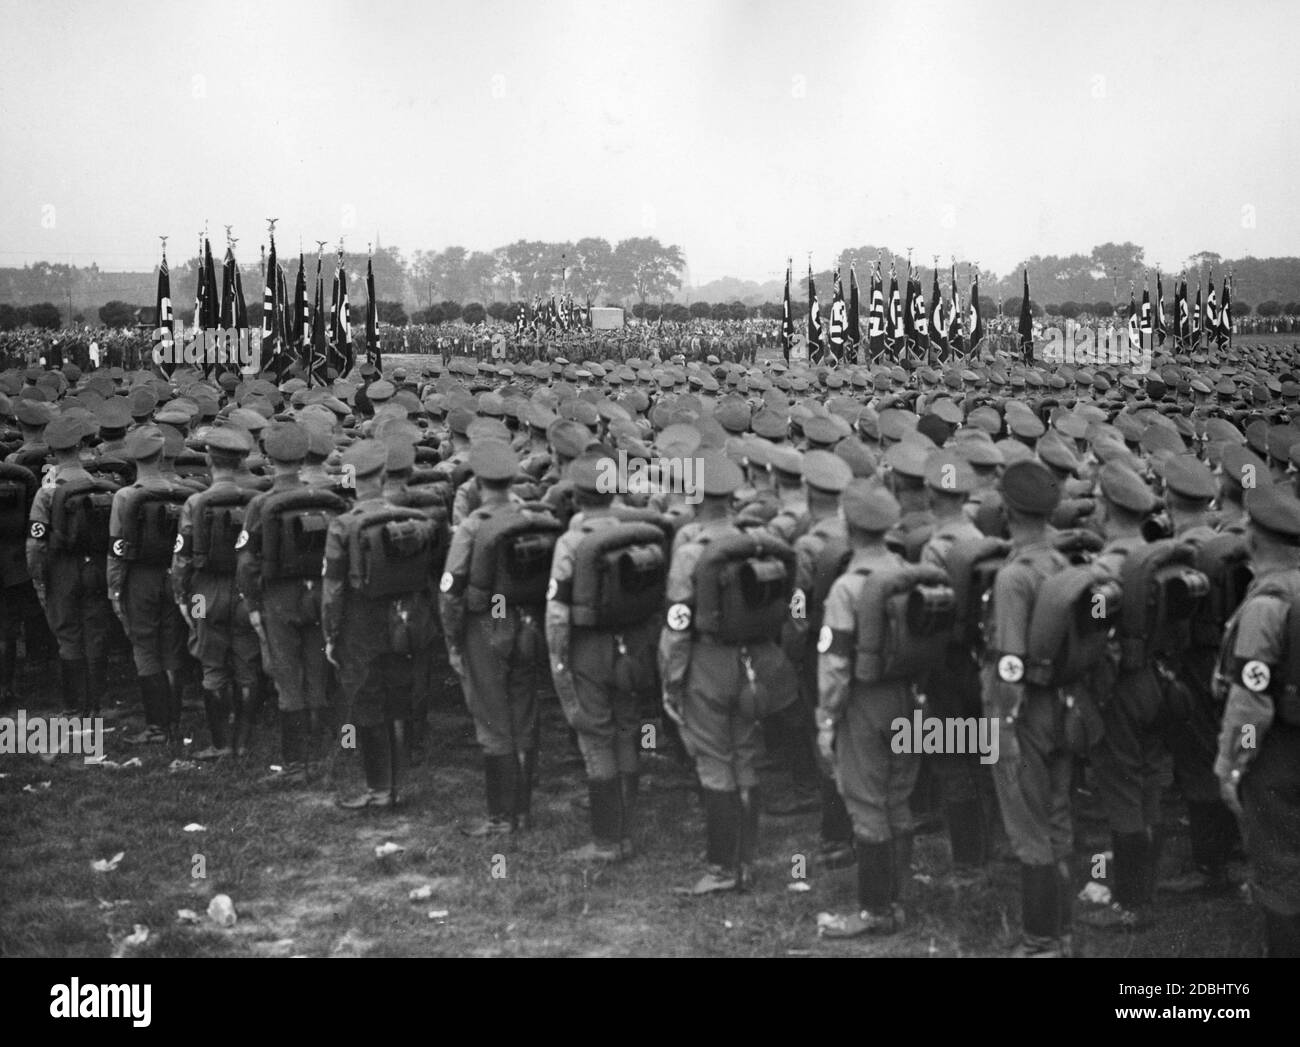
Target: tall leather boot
x=902, y=848
x=722, y=819
x=293, y=750
x=629, y=786
x=876, y=875
x=1065, y=907
x=1155, y=851
x=96, y=675
x=72, y=679
x=377, y=765
x=217, y=711
x=397, y=754
x=526, y=763
x=1281, y=935
x=606, y=822
x=245, y=717
x=170, y=690
x=498, y=821
x=153, y=700
x=967, y=836
x=1129, y=884
x=748, y=849
x=1040, y=912
x=8, y=672
x=1209, y=872
x=837, y=828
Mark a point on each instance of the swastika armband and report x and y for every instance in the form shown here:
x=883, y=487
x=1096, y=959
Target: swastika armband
x=1011, y=668
x=180, y=545
x=1254, y=675
x=37, y=531
x=333, y=569
x=118, y=548
x=560, y=591
x=835, y=641
x=451, y=584
x=242, y=540
x=679, y=617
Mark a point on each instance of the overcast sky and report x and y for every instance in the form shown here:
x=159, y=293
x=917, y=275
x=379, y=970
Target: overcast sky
x=743, y=132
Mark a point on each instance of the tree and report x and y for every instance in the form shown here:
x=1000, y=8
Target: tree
x=500, y=310
x=117, y=314
x=1240, y=309
x=678, y=313
x=1011, y=307
x=1070, y=310
x=450, y=310
x=652, y=313
x=391, y=313
x=700, y=310
x=1102, y=309
x=638, y=310
x=45, y=315
x=1291, y=309
x=645, y=268
x=433, y=315
x=474, y=313
x=591, y=264
x=480, y=272
x=1267, y=309
x=1053, y=309
x=9, y=318
x=1122, y=260
x=737, y=311
x=719, y=311
x=771, y=311
x=1205, y=260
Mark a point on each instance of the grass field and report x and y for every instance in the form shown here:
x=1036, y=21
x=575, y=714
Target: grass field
x=305, y=880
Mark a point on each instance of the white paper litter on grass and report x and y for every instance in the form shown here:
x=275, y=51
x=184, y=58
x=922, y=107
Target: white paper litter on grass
x=1097, y=893
x=195, y=827
x=799, y=886
x=389, y=848
x=438, y=914
x=221, y=911
x=187, y=916
x=421, y=894
x=103, y=865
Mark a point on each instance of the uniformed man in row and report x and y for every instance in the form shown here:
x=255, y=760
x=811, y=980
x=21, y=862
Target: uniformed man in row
x=66, y=559
x=964, y=782
x=854, y=721
x=1258, y=762
x=597, y=661
x=1131, y=763
x=143, y=530
x=377, y=615
x=203, y=585
x=279, y=579
x=1032, y=774
x=719, y=670
x=492, y=644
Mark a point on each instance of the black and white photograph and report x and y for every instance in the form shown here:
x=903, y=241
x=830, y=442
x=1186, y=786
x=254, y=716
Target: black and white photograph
x=723, y=480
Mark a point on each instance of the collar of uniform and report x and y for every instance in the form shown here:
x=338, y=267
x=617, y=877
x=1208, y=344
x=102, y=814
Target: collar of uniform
x=872, y=558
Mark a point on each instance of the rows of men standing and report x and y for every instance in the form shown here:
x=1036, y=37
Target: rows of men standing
x=797, y=589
